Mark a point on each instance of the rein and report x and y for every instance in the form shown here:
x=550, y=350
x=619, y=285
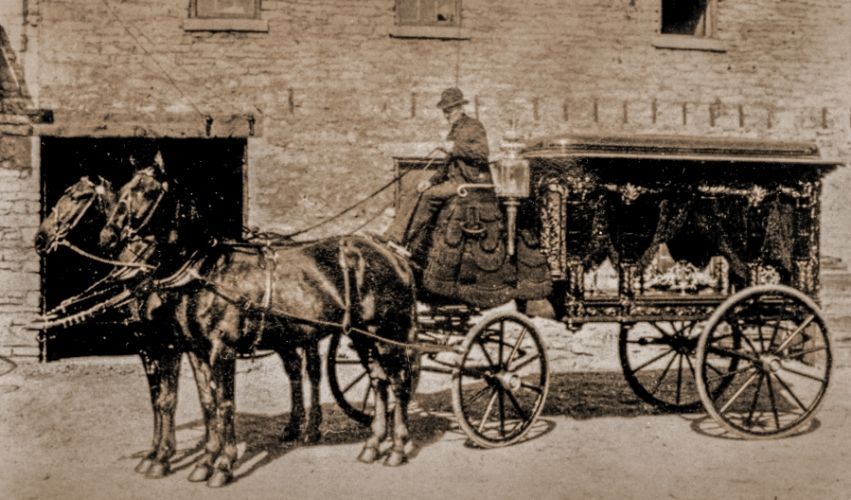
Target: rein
x=362, y=201
x=116, y=263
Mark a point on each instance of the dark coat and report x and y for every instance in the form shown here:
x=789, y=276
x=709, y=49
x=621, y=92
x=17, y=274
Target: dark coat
x=468, y=160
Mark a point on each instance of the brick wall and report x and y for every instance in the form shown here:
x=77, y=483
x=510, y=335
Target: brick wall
x=336, y=98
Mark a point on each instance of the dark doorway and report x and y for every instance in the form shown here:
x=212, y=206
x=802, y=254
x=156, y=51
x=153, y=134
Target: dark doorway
x=209, y=170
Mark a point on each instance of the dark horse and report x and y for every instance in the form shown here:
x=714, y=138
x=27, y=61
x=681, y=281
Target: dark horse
x=275, y=296
x=81, y=211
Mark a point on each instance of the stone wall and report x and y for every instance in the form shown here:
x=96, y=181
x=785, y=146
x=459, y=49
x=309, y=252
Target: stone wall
x=335, y=98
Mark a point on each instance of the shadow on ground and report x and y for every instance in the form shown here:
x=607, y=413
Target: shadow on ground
x=260, y=434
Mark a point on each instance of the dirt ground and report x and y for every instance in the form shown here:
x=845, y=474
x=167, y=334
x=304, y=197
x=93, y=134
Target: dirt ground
x=74, y=429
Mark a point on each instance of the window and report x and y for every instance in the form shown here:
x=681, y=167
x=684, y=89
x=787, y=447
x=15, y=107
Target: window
x=249, y=9
x=688, y=24
x=428, y=12
x=689, y=17
x=225, y=15
x=429, y=19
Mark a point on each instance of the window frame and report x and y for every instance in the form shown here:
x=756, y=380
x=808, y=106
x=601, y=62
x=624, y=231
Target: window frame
x=706, y=41
x=225, y=22
x=422, y=29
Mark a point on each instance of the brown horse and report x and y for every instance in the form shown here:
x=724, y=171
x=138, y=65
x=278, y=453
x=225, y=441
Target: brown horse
x=275, y=296
x=82, y=210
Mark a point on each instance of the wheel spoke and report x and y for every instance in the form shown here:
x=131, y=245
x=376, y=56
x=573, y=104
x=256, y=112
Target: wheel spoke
x=773, y=403
x=663, y=332
x=732, y=353
x=501, y=410
x=662, y=376
x=487, y=411
x=738, y=393
x=484, y=351
x=525, y=363
x=501, y=340
x=803, y=374
x=691, y=366
x=804, y=353
x=728, y=374
x=679, y=378
x=481, y=392
x=761, y=339
x=789, y=390
x=516, y=405
x=797, y=332
x=516, y=348
x=353, y=382
x=366, y=399
x=774, y=334
x=755, y=399
x=741, y=332
x=653, y=360
x=534, y=388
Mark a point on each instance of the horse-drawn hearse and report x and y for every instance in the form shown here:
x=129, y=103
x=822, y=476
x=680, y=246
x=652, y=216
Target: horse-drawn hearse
x=704, y=252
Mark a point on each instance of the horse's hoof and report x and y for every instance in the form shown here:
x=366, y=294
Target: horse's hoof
x=395, y=459
x=290, y=435
x=200, y=473
x=144, y=465
x=219, y=478
x=368, y=455
x=312, y=437
x=158, y=470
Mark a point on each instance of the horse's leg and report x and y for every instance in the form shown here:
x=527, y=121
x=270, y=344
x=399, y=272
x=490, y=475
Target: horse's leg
x=314, y=373
x=378, y=380
x=153, y=376
x=166, y=404
x=400, y=381
x=293, y=366
x=224, y=368
x=203, y=378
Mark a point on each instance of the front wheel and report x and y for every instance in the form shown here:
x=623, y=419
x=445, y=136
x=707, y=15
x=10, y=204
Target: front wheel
x=501, y=380
x=781, y=342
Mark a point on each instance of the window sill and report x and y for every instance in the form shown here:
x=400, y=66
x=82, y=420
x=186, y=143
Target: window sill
x=438, y=32
x=687, y=42
x=203, y=24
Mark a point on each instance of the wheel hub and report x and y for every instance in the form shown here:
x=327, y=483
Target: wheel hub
x=508, y=380
x=770, y=363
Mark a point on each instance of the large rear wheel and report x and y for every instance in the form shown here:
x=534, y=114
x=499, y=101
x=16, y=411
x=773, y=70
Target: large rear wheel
x=781, y=342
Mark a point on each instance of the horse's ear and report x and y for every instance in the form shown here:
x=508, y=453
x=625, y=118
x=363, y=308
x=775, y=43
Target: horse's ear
x=104, y=184
x=159, y=163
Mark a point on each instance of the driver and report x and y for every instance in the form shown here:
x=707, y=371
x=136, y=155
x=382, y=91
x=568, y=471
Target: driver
x=466, y=162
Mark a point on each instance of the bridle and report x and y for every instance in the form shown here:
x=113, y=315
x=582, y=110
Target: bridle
x=127, y=232
x=62, y=230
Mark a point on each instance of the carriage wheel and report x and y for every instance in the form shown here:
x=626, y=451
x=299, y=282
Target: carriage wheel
x=501, y=380
x=349, y=380
x=784, y=362
x=658, y=362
